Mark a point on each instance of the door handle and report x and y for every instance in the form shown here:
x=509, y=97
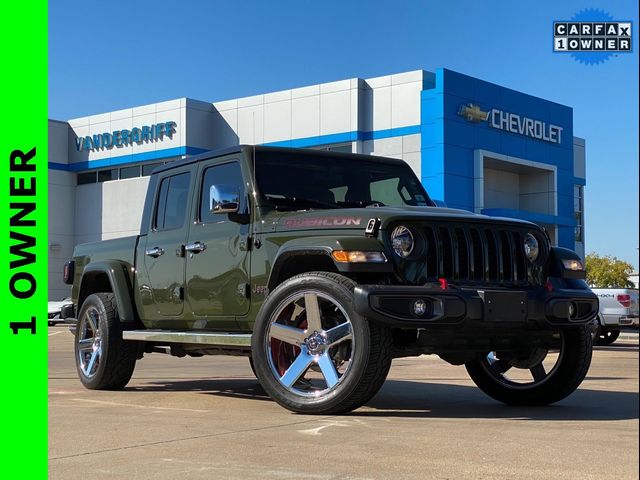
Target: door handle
x=195, y=247
x=154, y=252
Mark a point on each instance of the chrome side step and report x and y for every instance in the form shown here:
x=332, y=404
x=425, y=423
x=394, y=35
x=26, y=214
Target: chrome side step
x=238, y=340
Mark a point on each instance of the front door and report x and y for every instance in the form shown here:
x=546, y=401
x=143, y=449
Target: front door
x=217, y=257
x=163, y=259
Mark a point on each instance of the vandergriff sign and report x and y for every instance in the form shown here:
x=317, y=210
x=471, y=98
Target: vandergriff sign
x=119, y=138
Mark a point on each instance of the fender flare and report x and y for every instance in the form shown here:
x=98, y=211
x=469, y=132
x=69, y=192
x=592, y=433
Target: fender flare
x=116, y=272
x=324, y=246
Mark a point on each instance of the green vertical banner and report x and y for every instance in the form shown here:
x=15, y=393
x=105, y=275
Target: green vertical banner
x=23, y=244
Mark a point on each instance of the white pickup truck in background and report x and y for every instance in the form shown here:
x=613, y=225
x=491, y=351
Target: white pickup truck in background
x=618, y=308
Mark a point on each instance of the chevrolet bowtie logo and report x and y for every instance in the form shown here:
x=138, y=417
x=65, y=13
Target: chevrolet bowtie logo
x=473, y=113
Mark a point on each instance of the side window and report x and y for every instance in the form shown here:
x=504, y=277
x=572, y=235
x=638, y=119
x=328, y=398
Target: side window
x=227, y=174
x=172, y=206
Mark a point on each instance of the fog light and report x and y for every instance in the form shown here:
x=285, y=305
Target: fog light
x=419, y=307
x=572, y=310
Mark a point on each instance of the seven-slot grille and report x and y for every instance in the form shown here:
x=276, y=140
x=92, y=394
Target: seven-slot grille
x=476, y=254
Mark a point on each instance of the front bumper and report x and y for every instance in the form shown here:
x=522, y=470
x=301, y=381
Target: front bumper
x=491, y=307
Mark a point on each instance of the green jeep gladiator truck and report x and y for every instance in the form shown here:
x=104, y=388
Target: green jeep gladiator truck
x=321, y=268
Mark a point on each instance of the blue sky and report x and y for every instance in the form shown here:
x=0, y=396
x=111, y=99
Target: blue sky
x=104, y=57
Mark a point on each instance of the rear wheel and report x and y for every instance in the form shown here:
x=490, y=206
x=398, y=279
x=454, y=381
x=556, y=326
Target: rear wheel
x=312, y=352
x=607, y=336
x=103, y=360
x=540, y=376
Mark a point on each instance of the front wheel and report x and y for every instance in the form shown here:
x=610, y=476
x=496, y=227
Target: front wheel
x=540, y=376
x=312, y=352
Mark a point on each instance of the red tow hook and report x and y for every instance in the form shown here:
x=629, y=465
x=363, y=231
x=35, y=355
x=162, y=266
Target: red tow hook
x=549, y=285
x=443, y=283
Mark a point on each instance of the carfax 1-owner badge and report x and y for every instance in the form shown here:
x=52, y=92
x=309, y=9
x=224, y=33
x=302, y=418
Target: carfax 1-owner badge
x=592, y=36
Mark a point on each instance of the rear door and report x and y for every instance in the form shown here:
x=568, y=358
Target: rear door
x=164, y=261
x=217, y=271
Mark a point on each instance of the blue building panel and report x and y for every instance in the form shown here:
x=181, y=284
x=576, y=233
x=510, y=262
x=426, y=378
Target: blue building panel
x=513, y=145
x=487, y=138
x=538, y=151
x=566, y=236
x=431, y=107
x=432, y=134
x=459, y=191
x=435, y=187
x=461, y=134
x=433, y=160
x=459, y=161
x=515, y=126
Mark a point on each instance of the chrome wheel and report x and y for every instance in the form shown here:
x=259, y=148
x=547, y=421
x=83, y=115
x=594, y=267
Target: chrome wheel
x=541, y=375
x=524, y=371
x=309, y=343
x=89, y=343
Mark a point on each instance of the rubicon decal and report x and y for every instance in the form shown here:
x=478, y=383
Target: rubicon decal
x=321, y=222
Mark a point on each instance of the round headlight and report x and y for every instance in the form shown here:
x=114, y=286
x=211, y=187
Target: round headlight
x=531, y=247
x=402, y=241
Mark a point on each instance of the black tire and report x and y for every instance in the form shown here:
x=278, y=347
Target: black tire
x=368, y=347
x=253, y=369
x=607, y=336
x=116, y=359
x=563, y=379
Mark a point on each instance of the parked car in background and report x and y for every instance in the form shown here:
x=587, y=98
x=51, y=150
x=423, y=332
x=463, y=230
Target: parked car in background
x=618, y=308
x=54, y=310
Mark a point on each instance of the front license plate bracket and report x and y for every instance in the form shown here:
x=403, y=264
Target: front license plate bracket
x=505, y=306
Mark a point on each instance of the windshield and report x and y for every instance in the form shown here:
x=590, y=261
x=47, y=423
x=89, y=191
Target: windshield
x=298, y=181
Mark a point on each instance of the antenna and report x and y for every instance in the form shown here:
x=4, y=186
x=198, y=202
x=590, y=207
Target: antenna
x=253, y=173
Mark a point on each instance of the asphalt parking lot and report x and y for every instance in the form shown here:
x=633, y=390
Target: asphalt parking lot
x=207, y=418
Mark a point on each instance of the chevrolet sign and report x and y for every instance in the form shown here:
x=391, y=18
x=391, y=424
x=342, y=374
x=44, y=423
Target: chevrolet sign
x=473, y=113
x=513, y=123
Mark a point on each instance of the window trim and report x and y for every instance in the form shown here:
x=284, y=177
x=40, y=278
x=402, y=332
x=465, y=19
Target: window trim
x=156, y=200
x=197, y=220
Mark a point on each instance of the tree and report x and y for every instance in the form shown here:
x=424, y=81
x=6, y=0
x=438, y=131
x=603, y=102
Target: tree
x=607, y=272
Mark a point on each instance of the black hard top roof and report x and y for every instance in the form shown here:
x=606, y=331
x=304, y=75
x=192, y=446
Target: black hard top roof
x=259, y=148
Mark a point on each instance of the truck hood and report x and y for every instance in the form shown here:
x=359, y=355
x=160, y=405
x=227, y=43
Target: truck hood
x=357, y=218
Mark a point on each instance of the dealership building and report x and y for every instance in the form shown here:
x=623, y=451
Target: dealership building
x=475, y=146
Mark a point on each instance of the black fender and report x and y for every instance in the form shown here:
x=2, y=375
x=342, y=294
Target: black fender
x=556, y=269
x=324, y=246
x=117, y=274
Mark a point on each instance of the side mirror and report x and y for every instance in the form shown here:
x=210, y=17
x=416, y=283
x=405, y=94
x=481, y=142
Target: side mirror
x=224, y=198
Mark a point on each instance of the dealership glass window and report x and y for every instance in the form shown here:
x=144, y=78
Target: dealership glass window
x=107, y=175
x=172, y=202
x=578, y=212
x=227, y=174
x=130, y=172
x=86, y=177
